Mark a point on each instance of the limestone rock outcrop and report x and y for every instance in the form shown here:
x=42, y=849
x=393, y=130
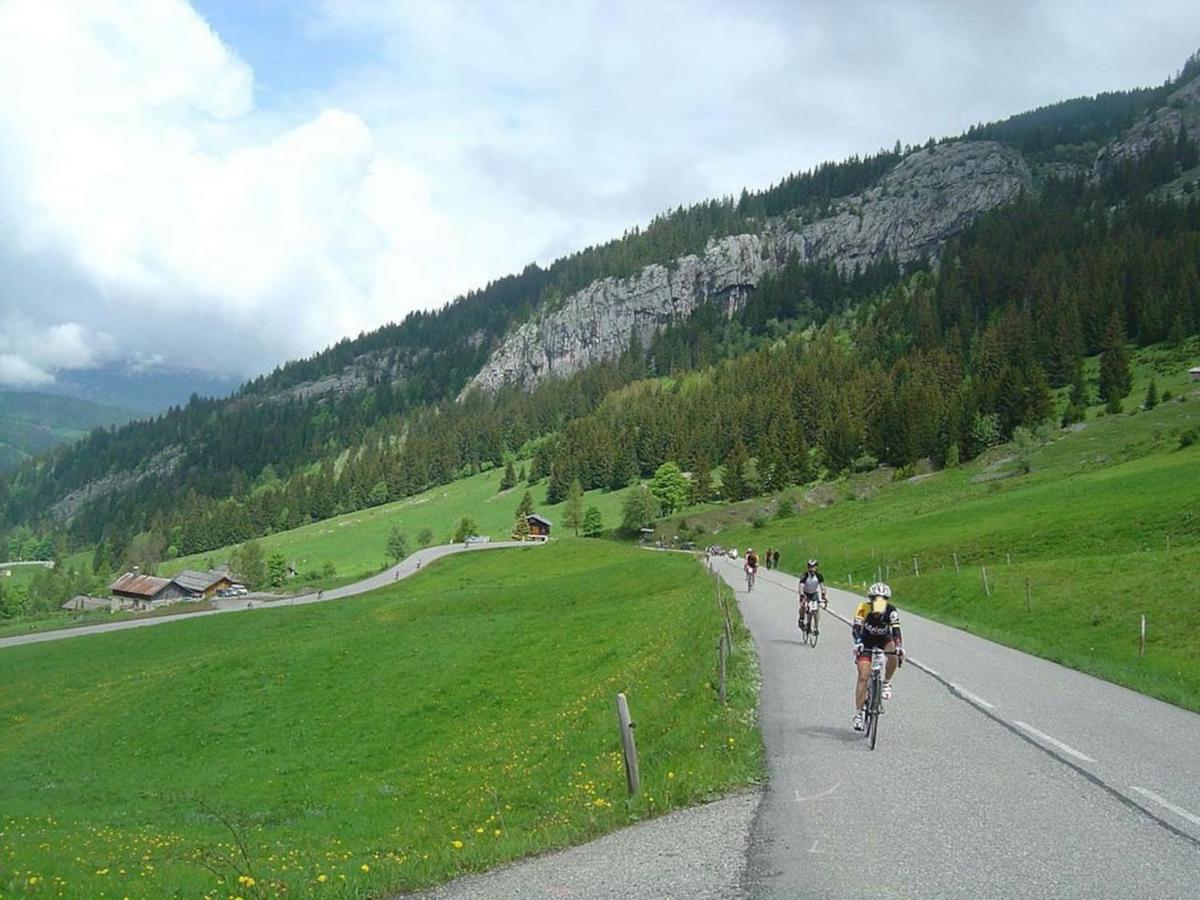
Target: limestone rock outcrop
x=931, y=195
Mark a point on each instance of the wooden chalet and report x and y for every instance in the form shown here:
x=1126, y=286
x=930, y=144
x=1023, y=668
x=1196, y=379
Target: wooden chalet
x=1194, y=373
x=145, y=591
x=538, y=526
x=202, y=585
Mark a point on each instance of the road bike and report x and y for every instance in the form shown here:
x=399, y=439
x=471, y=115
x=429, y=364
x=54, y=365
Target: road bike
x=750, y=574
x=810, y=619
x=873, y=706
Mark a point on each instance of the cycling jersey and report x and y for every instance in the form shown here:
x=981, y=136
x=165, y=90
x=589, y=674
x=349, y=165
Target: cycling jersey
x=872, y=629
x=752, y=560
x=811, y=582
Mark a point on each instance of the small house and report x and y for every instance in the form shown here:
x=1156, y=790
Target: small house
x=84, y=603
x=1194, y=372
x=146, y=591
x=538, y=526
x=202, y=585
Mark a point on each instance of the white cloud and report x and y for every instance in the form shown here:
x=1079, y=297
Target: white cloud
x=16, y=372
x=133, y=156
x=149, y=210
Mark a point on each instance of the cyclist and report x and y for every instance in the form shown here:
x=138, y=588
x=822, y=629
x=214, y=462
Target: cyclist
x=810, y=590
x=751, y=565
x=876, y=624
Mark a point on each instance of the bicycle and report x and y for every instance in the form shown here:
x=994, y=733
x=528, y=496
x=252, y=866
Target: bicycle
x=750, y=574
x=873, y=706
x=810, y=618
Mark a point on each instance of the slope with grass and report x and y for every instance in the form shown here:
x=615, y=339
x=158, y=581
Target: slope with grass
x=1103, y=528
x=355, y=543
x=454, y=721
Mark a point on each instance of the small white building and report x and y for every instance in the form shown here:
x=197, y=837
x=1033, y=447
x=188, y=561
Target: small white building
x=1195, y=373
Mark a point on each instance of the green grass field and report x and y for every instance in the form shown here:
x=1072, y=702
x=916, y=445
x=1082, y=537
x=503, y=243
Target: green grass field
x=444, y=725
x=1105, y=527
x=355, y=542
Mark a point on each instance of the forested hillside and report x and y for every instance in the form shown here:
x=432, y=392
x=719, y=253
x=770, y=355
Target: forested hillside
x=820, y=369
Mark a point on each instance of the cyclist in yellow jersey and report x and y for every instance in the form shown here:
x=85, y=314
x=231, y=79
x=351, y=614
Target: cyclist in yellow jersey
x=876, y=624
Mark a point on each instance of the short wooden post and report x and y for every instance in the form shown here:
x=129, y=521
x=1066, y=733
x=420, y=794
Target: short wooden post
x=986, y=589
x=955, y=563
x=1142, y=641
x=728, y=631
x=628, y=746
x=916, y=568
x=721, y=667
x=1028, y=596
x=887, y=572
x=1008, y=559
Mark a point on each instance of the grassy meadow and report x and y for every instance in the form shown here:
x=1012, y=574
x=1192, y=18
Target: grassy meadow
x=355, y=543
x=443, y=725
x=1105, y=527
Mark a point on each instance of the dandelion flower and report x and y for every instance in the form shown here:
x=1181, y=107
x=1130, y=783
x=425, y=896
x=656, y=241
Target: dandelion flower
x=365, y=867
x=670, y=775
x=322, y=878
x=457, y=845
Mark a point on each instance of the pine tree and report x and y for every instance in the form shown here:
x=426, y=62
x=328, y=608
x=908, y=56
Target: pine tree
x=700, y=490
x=1151, y=395
x=526, y=505
x=573, y=510
x=733, y=478
x=510, y=477
x=1116, y=381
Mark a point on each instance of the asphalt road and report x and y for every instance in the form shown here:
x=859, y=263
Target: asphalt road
x=405, y=568
x=996, y=774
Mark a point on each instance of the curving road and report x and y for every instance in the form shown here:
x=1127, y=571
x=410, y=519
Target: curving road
x=996, y=774
x=403, y=569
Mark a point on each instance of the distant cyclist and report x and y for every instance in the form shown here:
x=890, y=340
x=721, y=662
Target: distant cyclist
x=751, y=567
x=876, y=624
x=811, y=593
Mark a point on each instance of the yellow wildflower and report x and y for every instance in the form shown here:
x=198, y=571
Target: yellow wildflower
x=365, y=867
x=322, y=878
x=457, y=845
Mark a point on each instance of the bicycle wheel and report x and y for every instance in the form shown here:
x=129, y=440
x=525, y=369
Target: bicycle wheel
x=874, y=706
x=813, y=621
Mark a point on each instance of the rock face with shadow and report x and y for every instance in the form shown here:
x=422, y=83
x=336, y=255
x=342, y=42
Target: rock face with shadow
x=929, y=197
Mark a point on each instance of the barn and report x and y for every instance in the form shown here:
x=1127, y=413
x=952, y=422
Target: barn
x=146, y=591
x=538, y=526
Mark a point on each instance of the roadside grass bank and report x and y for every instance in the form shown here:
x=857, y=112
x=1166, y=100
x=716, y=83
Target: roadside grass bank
x=454, y=721
x=1105, y=526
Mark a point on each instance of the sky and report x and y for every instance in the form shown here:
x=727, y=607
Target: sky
x=226, y=184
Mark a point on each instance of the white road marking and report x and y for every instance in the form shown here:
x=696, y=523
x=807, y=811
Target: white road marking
x=975, y=698
x=1164, y=802
x=825, y=793
x=1054, y=742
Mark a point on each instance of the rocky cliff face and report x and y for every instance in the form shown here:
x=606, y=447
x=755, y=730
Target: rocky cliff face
x=930, y=196
x=1182, y=110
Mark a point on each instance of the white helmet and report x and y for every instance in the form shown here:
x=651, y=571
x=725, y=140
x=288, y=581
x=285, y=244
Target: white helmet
x=879, y=589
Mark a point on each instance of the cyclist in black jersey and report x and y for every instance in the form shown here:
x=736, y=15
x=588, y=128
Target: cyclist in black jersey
x=811, y=589
x=876, y=624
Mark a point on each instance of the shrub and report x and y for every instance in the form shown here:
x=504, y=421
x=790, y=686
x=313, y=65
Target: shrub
x=865, y=463
x=758, y=522
x=1189, y=437
x=786, y=509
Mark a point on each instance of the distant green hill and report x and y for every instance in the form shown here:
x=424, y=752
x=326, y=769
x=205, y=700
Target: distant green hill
x=31, y=423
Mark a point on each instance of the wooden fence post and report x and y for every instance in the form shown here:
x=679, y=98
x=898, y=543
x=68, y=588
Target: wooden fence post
x=916, y=568
x=1142, y=641
x=955, y=563
x=1028, y=597
x=986, y=589
x=721, y=667
x=628, y=746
